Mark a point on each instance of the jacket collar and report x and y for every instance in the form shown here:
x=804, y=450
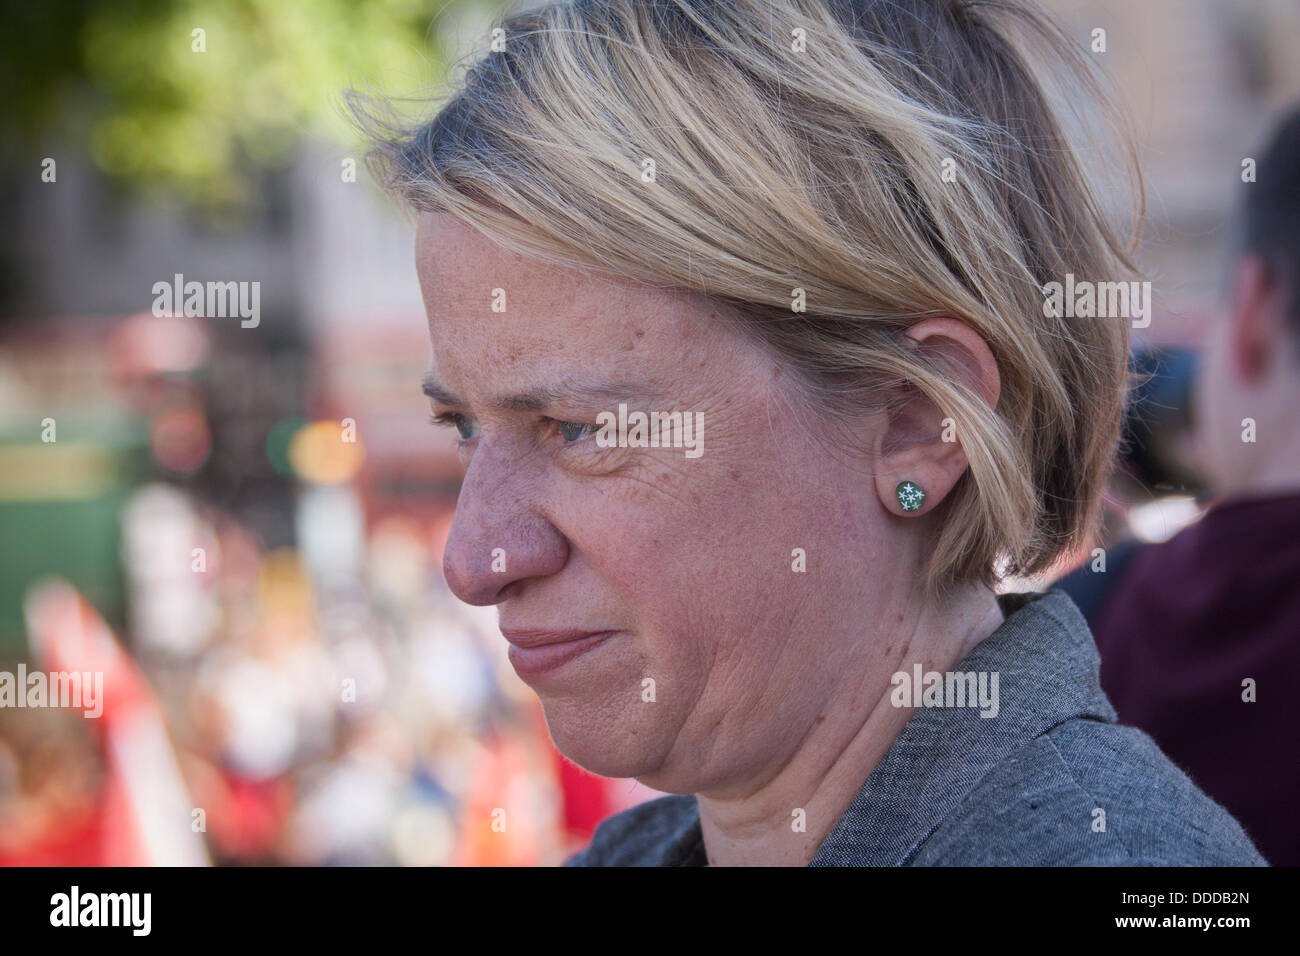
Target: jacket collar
x=1047, y=664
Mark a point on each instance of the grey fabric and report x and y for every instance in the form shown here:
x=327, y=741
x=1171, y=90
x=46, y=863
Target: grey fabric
x=1021, y=788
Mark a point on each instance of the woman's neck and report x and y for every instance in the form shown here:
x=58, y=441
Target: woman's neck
x=782, y=818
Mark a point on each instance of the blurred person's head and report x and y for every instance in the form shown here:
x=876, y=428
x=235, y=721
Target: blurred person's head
x=648, y=186
x=1248, y=391
x=54, y=758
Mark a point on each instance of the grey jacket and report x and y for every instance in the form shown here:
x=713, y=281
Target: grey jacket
x=1022, y=788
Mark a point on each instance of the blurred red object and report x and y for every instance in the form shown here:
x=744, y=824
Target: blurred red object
x=77, y=840
x=144, y=815
x=586, y=799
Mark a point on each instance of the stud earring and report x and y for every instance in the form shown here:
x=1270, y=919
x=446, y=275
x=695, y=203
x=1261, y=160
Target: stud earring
x=910, y=495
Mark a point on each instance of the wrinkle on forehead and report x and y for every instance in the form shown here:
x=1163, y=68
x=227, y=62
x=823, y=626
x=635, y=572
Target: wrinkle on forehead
x=449, y=250
x=459, y=268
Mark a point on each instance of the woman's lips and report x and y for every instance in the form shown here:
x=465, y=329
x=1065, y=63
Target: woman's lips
x=534, y=653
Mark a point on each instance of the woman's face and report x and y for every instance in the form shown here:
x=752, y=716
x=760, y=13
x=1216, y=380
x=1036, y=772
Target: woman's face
x=717, y=655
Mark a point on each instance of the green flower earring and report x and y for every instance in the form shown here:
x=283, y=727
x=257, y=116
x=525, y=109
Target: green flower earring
x=910, y=495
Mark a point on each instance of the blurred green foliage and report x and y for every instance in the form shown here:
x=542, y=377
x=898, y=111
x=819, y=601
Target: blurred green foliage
x=126, y=83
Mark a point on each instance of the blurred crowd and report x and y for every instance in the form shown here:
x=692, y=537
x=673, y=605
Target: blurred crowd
x=325, y=698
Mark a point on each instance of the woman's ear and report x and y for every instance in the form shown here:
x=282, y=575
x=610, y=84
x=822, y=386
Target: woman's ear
x=1252, y=337
x=919, y=453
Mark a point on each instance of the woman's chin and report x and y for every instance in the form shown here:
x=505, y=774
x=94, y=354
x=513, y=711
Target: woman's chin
x=600, y=747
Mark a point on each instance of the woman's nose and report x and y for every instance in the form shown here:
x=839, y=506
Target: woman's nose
x=498, y=535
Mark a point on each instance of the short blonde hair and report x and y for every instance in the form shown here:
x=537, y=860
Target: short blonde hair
x=802, y=144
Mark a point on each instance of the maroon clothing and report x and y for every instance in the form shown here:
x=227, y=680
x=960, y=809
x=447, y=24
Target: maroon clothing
x=1188, y=621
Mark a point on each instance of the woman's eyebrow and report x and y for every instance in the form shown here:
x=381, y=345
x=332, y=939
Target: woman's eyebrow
x=543, y=397
x=429, y=385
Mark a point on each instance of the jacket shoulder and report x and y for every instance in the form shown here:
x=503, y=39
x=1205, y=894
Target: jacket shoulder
x=642, y=835
x=1089, y=793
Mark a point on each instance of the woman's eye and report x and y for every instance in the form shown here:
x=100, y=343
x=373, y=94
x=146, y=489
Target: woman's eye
x=464, y=424
x=574, y=431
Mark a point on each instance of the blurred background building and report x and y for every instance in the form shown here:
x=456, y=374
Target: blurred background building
x=256, y=514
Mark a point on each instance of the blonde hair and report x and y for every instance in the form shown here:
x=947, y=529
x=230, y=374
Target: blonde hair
x=819, y=166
